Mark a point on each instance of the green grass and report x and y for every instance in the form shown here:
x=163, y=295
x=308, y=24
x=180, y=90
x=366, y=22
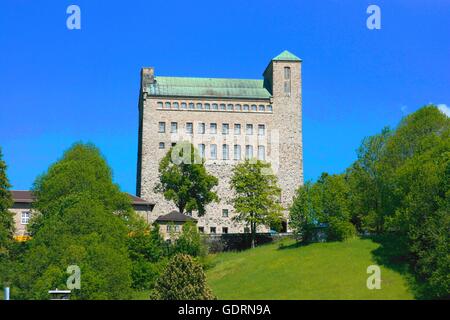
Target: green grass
x=335, y=270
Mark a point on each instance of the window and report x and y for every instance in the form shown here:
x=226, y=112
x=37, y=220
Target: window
x=225, y=128
x=167, y=105
x=199, y=106
x=201, y=128
x=237, y=107
x=176, y=105
x=225, y=152
x=237, y=152
x=261, y=153
x=26, y=215
x=248, y=152
x=246, y=107
x=237, y=128
x=162, y=127
x=173, y=144
x=212, y=230
x=189, y=128
x=254, y=108
x=201, y=150
x=162, y=145
x=230, y=107
x=215, y=106
x=224, y=230
x=222, y=106
x=201, y=229
x=261, y=129
x=269, y=108
x=249, y=129
x=225, y=213
x=160, y=105
x=213, y=151
x=183, y=105
x=287, y=81
x=262, y=107
x=207, y=106
x=213, y=128
x=287, y=73
x=191, y=105
x=173, y=127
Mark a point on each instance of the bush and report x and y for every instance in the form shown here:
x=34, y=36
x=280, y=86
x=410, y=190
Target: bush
x=190, y=241
x=339, y=230
x=182, y=279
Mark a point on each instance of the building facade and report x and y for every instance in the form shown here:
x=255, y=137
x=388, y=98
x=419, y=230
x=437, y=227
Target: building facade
x=227, y=120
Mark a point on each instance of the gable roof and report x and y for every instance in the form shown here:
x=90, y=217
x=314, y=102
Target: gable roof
x=286, y=56
x=175, y=216
x=208, y=87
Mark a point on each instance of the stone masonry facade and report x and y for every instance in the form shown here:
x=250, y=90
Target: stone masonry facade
x=227, y=120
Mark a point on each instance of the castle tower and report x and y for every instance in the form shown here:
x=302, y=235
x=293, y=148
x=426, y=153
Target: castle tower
x=227, y=120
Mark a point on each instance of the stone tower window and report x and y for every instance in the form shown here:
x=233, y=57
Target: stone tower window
x=225, y=152
x=201, y=150
x=237, y=152
x=225, y=128
x=173, y=127
x=213, y=128
x=162, y=145
x=287, y=81
x=213, y=151
x=162, y=127
x=261, y=153
x=237, y=128
x=201, y=128
x=248, y=152
x=189, y=128
x=249, y=129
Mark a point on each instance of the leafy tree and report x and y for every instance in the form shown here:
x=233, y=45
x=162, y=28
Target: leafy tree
x=304, y=212
x=6, y=202
x=84, y=220
x=190, y=242
x=183, y=279
x=184, y=179
x=6, y=223
x=256, y=195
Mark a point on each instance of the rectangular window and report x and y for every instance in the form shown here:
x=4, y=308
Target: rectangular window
x=162, y=127
x=201, y=128
x=162, y=145
x=237, y=128
x=225, y=152
x=201, y=150
x=225, y=128
x=237, y=152
x=213, y=150
x=225, y=213
x=173, y=127
x=287, y=88
x=248, y=152
x=25, y=218
x=189, y=128
x=249, y=129
x=201, y=229
x=212, y=230
x=224, y=229
x=261, y=153
x=261, y=129
x=287, y=73
x=213, y=128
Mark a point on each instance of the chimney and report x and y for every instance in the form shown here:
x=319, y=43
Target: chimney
x=147, y=77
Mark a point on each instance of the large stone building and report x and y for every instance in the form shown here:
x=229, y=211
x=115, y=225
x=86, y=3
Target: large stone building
x=228, y=120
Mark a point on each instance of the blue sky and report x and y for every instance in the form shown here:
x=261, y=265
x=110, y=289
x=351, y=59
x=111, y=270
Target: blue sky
x=58, y=86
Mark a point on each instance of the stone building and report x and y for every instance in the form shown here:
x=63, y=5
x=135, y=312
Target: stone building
x=22, y=211
x=228, y=120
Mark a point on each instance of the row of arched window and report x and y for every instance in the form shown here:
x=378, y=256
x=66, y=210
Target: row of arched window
x=213, y=106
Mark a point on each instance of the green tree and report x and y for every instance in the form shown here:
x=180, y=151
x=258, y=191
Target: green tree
x=190, y=242
x=6, y=216
x=84, y=220
x=256, y=195
x=184, y=179
x=182, y=279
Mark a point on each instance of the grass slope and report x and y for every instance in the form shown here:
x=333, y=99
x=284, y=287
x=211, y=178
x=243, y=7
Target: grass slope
x=334, y=270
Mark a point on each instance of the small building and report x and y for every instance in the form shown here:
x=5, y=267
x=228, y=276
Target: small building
x=171, y=224
x=22, y=210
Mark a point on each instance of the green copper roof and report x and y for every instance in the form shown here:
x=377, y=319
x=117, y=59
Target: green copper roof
x=286, y=56
x=208, y=87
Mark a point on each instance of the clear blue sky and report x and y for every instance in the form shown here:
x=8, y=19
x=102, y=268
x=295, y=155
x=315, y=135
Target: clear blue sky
x=58, y=86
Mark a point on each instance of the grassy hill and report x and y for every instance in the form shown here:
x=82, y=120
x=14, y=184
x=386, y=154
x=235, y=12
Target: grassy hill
x=334, y=270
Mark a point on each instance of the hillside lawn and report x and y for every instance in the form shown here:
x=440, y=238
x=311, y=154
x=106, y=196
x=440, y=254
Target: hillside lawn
x=283, y=270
